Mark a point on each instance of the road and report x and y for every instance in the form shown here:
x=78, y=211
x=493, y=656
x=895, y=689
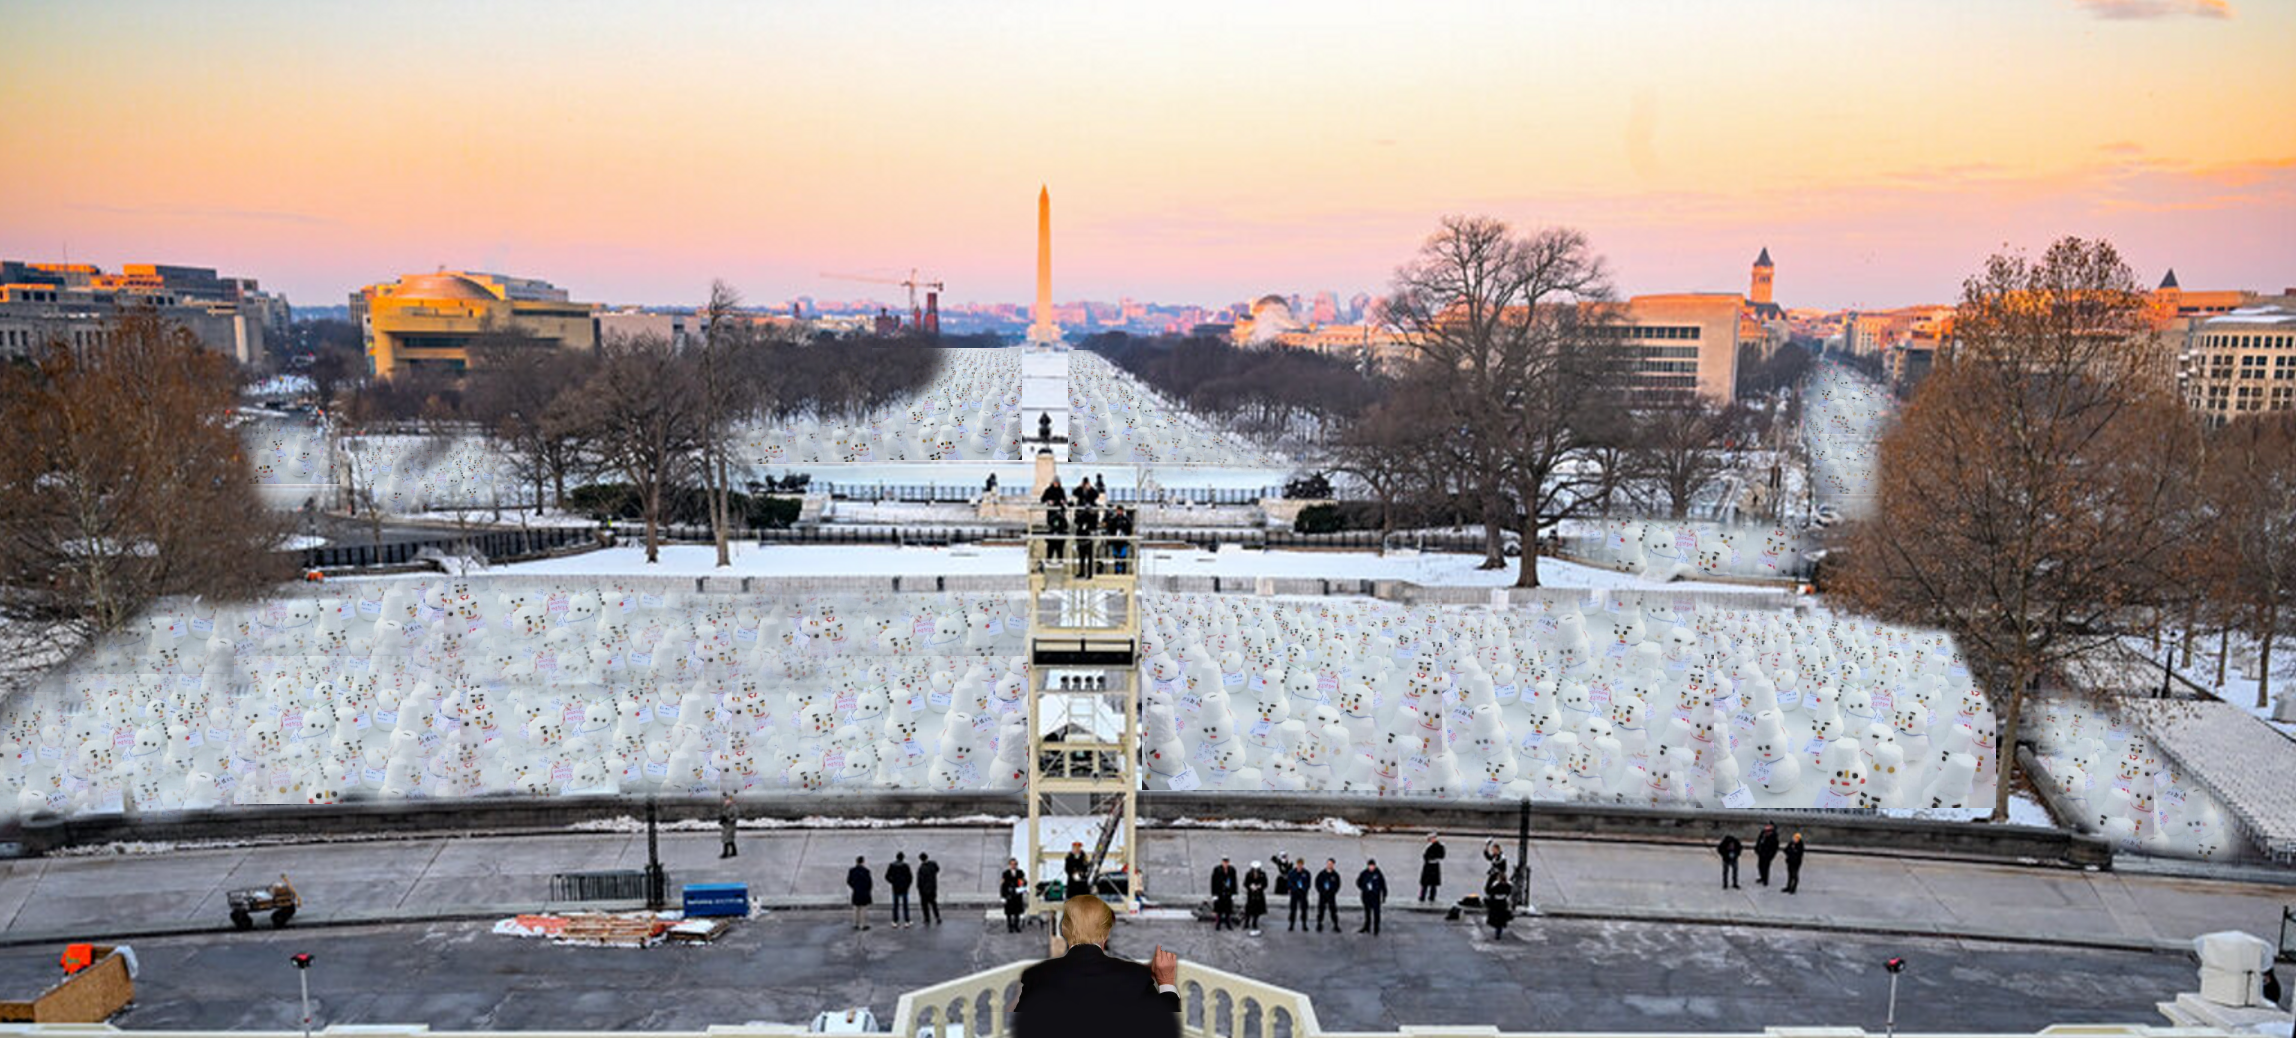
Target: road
x=1552, y=975
x=1844, y=415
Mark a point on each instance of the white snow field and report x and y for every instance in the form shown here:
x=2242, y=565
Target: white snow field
x=544, y=682
x=1844, y=416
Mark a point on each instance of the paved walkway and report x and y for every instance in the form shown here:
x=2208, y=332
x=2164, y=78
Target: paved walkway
x=2248, y=764
x=122, y=895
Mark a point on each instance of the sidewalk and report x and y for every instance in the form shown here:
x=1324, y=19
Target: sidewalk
x=43, y=900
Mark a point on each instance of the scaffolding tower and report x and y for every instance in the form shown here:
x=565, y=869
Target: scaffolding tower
x=1083, y=712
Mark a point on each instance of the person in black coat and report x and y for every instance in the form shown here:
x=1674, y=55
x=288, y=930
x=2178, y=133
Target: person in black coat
x=1056, y=525
x=1431, y=868
x=1083, y=989
x=1076, y=869
x=1498, y=903
x=1012, y=886
x=1054, y=494
x=897, y=876
x=928, y=888
x=1728, y=849
x=1327, y=895
x=1255, y=898
x=1297, y=884
x=1223, y=896
x=1794, y=852
x=1765, y=848
x=857, y=878
x=1372, y=886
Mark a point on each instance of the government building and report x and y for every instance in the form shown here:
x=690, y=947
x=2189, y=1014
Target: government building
x=76, y=303
x=434, y=321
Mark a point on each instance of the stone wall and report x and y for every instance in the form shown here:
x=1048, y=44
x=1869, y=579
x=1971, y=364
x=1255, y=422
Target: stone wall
x=1548, y=820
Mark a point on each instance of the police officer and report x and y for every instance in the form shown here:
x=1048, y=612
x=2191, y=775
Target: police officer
x=1296, y=884
x=1327, y=895
x=1372, y=886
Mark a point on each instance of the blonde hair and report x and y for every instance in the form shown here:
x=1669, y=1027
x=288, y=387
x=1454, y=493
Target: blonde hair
x=1085, y=919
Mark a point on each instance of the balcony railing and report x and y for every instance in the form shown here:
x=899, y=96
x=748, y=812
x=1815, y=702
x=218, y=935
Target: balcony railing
x=1214, y=1003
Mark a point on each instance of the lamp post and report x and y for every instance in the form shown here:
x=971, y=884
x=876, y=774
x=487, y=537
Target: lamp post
x=302, y=961
x=1894, y=966
x=655, y=893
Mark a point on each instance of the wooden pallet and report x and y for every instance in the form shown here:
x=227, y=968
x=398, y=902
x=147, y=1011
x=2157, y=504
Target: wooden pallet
x=612, y=931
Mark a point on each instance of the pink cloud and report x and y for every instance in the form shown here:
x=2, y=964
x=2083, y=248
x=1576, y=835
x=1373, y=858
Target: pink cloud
x=2131, y=10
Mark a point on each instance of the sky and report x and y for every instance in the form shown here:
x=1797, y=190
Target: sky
x=1196, y=152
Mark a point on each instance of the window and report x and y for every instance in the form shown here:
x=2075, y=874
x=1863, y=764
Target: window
x=2283, y=398
x=2251, y=398
x=2284, y=368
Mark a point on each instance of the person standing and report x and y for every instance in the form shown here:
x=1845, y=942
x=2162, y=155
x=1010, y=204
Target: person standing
x=1075, y=870
x=1431, y=868
x=1498, y=903
x=1327, y=895
x=1794, y=852
x=928, y=888
x=1056, y=527
x=1372, y=887
x=857, y=879
x=727, y=827
x=1298, y=882
x=1255, y=898
x=1223, y=896
x=1728, y=849
x=1765, y=848
x=897, y=877
x=1013, y=888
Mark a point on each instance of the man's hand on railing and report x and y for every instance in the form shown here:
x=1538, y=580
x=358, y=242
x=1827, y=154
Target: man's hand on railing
x=1164, y=966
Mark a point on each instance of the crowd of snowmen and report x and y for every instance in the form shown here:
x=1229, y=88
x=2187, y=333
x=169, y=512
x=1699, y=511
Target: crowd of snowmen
x=1116, y=419
x=2119, y=786
x=1663, y=550
x=454, y=687
x=1640, y=701
x=969, y=412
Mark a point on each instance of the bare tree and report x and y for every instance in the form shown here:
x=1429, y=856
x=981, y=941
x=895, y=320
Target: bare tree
x=642, y=411
x=2032, y=497
x=523, y=392
x=2249, y=487
x=124, y=483
x=1392, y=449
x=1678, y=447
x=1511, y=326
x=721, y=398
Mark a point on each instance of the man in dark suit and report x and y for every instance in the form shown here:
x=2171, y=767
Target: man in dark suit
x=1084, y=990
x=1224, y=896
x=928, y=888
x=898, y=876
x=1372, y=885
x=857, y=880
x=1327, y=895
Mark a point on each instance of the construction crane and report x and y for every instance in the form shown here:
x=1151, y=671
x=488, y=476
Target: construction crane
x=917, y=316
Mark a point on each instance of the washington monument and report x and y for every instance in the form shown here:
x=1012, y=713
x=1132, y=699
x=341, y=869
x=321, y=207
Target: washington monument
x=1041, y=329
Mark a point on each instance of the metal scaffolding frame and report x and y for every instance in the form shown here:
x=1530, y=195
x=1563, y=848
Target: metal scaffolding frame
x=1083, y=710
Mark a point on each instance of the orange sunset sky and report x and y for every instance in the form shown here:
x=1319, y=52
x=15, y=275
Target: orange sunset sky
x=1196, y=152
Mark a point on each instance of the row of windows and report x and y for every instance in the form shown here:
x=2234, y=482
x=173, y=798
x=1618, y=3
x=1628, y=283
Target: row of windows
x=2252, y=365
x=1646, y=352
x=2250, y=398
x=1667, y=366
x=1651, y=331
x=15, y=339
x=1665, y=382
x=2249, y=340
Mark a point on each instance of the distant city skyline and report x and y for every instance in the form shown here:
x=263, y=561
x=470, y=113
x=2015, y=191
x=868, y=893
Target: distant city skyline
x=1205, y=155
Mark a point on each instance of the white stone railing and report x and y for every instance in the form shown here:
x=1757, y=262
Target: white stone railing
x=1194, y=1030
x=1214, y=1004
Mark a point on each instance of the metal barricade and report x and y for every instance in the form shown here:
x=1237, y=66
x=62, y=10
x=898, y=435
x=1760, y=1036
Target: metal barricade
x=611, y=885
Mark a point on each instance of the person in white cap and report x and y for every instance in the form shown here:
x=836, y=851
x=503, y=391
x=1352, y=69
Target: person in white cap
x=1255, y=898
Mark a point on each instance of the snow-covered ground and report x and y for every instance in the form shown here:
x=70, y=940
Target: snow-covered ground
x=2240, y=681
x=2126, y=789
x=1658, y=547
